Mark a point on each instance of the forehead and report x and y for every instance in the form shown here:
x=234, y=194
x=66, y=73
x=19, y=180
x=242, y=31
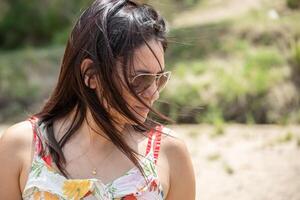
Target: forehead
x=145, y=60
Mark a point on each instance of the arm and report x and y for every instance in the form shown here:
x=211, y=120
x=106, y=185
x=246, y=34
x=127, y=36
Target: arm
x=11, y=146
x=182, y=177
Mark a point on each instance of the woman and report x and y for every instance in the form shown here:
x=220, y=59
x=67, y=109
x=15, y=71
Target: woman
x=93, y=139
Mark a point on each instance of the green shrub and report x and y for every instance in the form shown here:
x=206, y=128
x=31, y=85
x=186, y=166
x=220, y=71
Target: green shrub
x=16, y=92
x=195, y=42
x=24, y=79
x=208, y=91
x=296, y=54
x=183, y=100
x=294, y=60
x=293, y=4
x=37, y=22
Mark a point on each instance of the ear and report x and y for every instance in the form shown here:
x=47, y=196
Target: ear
x=87, y=70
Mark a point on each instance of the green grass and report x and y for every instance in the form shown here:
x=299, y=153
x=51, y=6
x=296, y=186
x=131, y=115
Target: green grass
x=228, y=169
x=194, y=134
x=213, y=157
x=286, y=138
x=298, y=142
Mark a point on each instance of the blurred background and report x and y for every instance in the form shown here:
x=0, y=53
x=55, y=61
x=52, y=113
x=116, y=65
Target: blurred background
x=234, y=91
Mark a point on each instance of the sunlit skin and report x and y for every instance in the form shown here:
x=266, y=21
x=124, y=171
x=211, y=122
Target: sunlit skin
x=145, y=62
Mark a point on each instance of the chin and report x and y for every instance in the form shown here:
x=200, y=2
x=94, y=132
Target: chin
x=142, y=116
x=142, y=119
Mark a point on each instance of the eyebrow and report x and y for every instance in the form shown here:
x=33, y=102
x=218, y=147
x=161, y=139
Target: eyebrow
x=148, y=72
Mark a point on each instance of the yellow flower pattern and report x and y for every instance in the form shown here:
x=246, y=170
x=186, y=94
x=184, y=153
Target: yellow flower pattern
x=76, y=189
x=47, y=196
x=37, y=195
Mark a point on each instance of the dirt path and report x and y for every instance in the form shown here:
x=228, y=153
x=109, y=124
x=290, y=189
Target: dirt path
x=221, y=10
x=244, y=163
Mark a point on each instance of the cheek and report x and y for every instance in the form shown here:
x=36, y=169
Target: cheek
x=130, y=99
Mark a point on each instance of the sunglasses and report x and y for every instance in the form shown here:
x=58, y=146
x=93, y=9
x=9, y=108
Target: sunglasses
x=142, y=82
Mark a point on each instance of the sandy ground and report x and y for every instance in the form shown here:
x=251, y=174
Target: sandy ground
x=245, y=162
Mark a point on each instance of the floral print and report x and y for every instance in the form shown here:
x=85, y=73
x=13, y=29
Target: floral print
x=76, y=189
x=37, y=195
x=153, y=185
x=45, y=182
x=129, y=197
x=47, y=196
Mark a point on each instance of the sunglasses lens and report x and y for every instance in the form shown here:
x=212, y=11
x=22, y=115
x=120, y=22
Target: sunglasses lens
x=162, y=81
x=144, y=81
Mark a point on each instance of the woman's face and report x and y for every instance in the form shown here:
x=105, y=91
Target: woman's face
x=144, y=62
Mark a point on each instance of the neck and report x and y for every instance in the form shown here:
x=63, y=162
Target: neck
x=89, y=133
x=98, y=134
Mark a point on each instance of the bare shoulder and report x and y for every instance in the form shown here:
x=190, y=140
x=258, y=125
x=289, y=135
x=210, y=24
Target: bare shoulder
x=15, y=145
x=172, y=144
x=181, y=171
x=16, y=137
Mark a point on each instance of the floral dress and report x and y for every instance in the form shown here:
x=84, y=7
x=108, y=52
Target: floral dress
x=46, y=182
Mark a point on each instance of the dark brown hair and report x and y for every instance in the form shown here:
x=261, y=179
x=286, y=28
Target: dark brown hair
x=105, y=31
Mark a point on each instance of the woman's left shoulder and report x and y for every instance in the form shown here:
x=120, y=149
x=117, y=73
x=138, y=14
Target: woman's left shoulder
x=181, y=171
x=172, y=143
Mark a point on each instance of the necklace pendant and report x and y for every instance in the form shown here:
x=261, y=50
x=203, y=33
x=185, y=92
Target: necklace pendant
x=94, y=172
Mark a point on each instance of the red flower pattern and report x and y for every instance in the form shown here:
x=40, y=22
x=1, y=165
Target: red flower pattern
x=129, y=197
x=153, y=185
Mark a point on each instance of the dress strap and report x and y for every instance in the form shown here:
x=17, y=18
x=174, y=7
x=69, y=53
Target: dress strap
x=154, y=139
x=38, y=141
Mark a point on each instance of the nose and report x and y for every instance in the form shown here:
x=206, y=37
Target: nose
x=151, y=93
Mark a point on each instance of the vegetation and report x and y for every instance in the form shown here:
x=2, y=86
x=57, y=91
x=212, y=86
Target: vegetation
x=36, y=23
x=243, y=70
x=293, y=4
